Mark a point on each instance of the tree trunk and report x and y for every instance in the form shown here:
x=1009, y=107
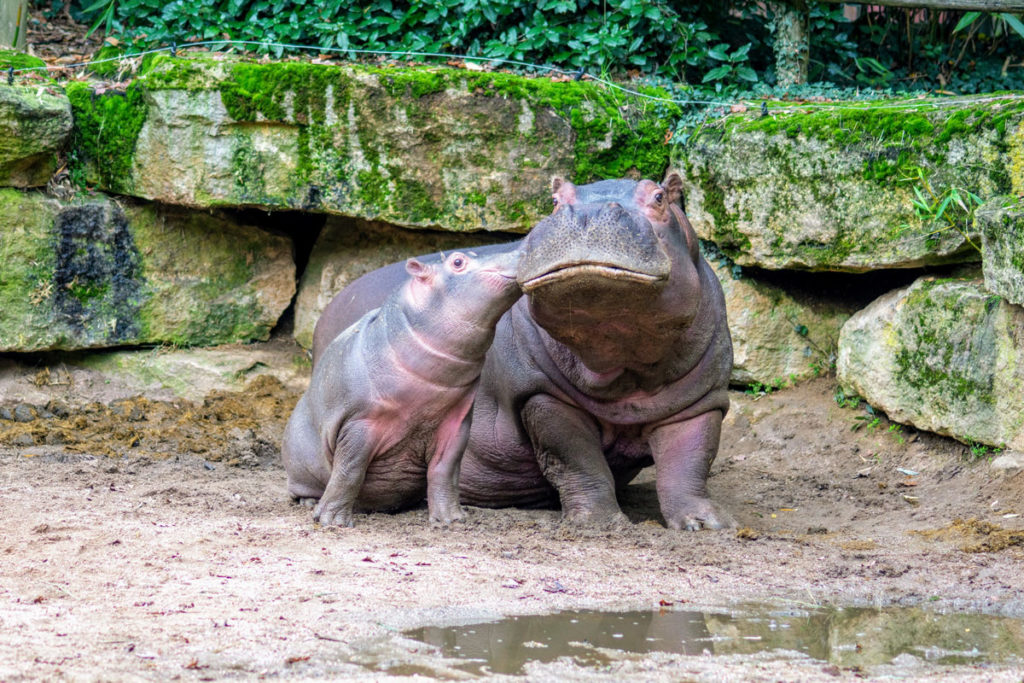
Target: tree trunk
x=13, y=22
x=792, y=43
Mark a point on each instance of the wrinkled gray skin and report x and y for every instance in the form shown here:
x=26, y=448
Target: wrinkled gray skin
x=387, y=413
x=617, y=358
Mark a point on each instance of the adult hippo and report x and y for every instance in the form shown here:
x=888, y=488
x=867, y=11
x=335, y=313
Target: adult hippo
x=617, y=357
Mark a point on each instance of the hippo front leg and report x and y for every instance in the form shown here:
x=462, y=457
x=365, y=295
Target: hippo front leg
x=352, y=453
x=683, y=453
x=443, y=476
x=567, y=444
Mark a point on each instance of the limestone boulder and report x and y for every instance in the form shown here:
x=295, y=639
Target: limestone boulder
x=347, y=249
x=1001, y=224
x=92, y=273
x=418, y=147
x=779, y=336
x=944, y=355
x=35, y=123
x=161, y=373
x=854, y=187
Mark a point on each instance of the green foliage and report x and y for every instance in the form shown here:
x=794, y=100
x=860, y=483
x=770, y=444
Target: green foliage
x=759, y=389
x=868, y=420
x=977, y=450
x=732, y=70
x=843, y=400
x=914, y=49
x=672, y=40
x=949, y=209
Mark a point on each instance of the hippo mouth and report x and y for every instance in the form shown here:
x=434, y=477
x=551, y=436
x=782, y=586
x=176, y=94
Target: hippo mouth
x=589, y=271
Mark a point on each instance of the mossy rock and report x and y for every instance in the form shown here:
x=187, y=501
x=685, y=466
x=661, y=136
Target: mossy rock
x=12, y=59
x=779, y=337
x=91, y=274
x=35, y=123
x=943, y=355
x=832, y=187
x=1001, y=224
x=425, y=147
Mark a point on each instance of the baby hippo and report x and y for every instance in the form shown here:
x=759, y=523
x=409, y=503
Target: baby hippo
x=387, y=413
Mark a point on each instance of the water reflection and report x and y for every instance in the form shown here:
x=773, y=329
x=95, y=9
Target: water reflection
x=847, y=637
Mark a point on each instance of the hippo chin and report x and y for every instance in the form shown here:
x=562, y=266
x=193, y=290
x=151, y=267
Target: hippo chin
x=617, y=357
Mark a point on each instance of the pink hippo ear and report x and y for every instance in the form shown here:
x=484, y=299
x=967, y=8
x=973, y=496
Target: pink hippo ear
x=562, y=192
x=673, y=185
x=417, y=290
x=421, y=271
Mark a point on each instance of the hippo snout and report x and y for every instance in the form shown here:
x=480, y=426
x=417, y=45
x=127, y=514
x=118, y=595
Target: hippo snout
x=594, y=243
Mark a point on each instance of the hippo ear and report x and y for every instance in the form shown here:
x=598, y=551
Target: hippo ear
x=562, y=191
x=419, y=270
x=673, y=185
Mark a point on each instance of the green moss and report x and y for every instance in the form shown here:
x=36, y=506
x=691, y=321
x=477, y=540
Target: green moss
x=893, y=141
x=88, y=292
x=290, y=92
x=20, y=60
x=27, y=263
x=100, y=65
x=947, y=351
x=372, y=188
x=107, y=127
x=415, y=83
x=199, y=273
x=248, y=168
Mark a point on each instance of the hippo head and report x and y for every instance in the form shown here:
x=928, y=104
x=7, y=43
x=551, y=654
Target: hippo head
x=611, y=273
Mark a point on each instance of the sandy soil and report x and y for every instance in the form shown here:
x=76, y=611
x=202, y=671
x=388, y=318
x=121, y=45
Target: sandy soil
x=173, y=552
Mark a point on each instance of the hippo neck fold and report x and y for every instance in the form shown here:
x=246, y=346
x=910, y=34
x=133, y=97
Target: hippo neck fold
x=421, y=355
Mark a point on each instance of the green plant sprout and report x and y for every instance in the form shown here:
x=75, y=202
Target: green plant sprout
x=951, y=209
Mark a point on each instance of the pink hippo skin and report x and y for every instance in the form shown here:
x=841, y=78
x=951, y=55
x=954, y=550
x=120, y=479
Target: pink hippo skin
x=617, y=358
x=387, y=413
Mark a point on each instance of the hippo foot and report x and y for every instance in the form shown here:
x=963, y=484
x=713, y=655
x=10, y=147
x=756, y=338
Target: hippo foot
x=596, y=519
x=694, y=514
x=447, y=516
x=333, y=514
x=307, y=502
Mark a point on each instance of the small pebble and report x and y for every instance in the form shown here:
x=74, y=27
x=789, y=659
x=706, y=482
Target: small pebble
x=23, y=412
x=24, y=440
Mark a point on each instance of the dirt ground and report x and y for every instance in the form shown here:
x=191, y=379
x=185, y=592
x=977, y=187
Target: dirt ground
x=149, y=539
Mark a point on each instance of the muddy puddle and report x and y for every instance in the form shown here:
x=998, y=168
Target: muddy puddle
x=851, y=638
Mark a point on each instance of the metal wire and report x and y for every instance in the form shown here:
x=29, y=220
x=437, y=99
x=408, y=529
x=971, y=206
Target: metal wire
x=578, y=74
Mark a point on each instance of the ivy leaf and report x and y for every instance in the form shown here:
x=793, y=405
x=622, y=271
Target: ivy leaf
x=719, y=52
x=747, y=74
x=717, y=73
x=740, y=54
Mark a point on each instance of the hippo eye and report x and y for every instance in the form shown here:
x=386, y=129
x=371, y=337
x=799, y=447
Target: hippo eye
x=659, y=198
x=554, y=201
x=458, y=262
